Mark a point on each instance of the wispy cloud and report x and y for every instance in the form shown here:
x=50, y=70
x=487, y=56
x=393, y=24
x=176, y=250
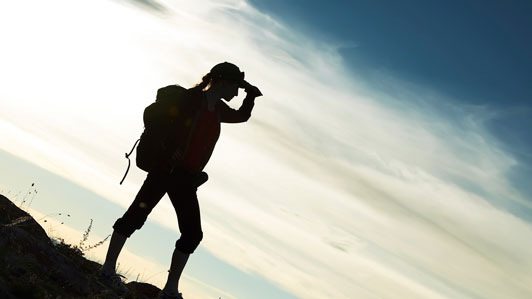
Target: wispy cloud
x=333, y=189
x=153, y=5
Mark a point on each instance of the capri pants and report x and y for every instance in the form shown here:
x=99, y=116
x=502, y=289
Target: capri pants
x=182, y=193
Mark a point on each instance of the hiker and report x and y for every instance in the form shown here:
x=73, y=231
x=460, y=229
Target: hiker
x=179, y=175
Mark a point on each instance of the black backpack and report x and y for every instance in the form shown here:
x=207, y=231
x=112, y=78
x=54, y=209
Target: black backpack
x=154, y=145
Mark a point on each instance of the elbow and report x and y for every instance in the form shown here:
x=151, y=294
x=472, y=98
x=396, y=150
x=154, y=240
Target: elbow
x=235, y=118
x=246, y=117
x=243, y=116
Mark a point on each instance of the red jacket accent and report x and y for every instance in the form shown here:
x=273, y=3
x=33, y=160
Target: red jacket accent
x=202, y=141
x=195, y=130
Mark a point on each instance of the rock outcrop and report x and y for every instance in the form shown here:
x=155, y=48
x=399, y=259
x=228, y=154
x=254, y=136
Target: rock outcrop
x=32, y=266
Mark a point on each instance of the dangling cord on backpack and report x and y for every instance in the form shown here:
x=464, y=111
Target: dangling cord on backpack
x=129, y=161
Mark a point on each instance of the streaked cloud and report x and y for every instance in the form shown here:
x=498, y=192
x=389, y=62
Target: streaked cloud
x=332, y=190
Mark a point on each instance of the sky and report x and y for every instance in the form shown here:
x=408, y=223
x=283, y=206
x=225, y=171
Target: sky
x=389, y=156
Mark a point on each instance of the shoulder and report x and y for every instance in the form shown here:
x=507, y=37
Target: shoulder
x=194, y=92
x=194, y=96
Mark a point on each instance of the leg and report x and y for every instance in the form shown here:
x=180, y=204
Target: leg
x=115, y=246
x=186, y=205
x=150, y=193
x=179, y=260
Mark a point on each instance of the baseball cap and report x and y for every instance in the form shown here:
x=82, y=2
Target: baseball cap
x=228, y=71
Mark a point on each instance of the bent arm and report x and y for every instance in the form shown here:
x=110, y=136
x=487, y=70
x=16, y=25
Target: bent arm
x=230, y=115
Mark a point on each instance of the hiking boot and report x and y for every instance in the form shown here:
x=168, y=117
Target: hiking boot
x=113, y=281
x=164, y=295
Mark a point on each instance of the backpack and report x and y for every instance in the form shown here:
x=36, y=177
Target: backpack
x=156, y=148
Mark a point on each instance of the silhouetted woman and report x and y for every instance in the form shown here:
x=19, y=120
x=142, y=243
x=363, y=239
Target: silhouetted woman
x=192, y=143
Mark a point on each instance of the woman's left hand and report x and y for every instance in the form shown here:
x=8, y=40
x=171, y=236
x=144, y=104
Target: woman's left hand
x=251, y=90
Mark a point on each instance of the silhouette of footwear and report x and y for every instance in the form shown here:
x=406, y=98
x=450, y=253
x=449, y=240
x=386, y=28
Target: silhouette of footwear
x=164, y=295
x=113, y=281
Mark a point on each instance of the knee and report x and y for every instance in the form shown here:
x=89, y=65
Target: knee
x=194, y=239
x=189, y=242
x=198, y=237
x=127, y=225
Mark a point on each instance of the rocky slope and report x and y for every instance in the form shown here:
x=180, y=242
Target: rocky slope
x=33, y=266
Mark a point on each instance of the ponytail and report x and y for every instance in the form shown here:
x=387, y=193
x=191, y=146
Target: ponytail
x=206, y=82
